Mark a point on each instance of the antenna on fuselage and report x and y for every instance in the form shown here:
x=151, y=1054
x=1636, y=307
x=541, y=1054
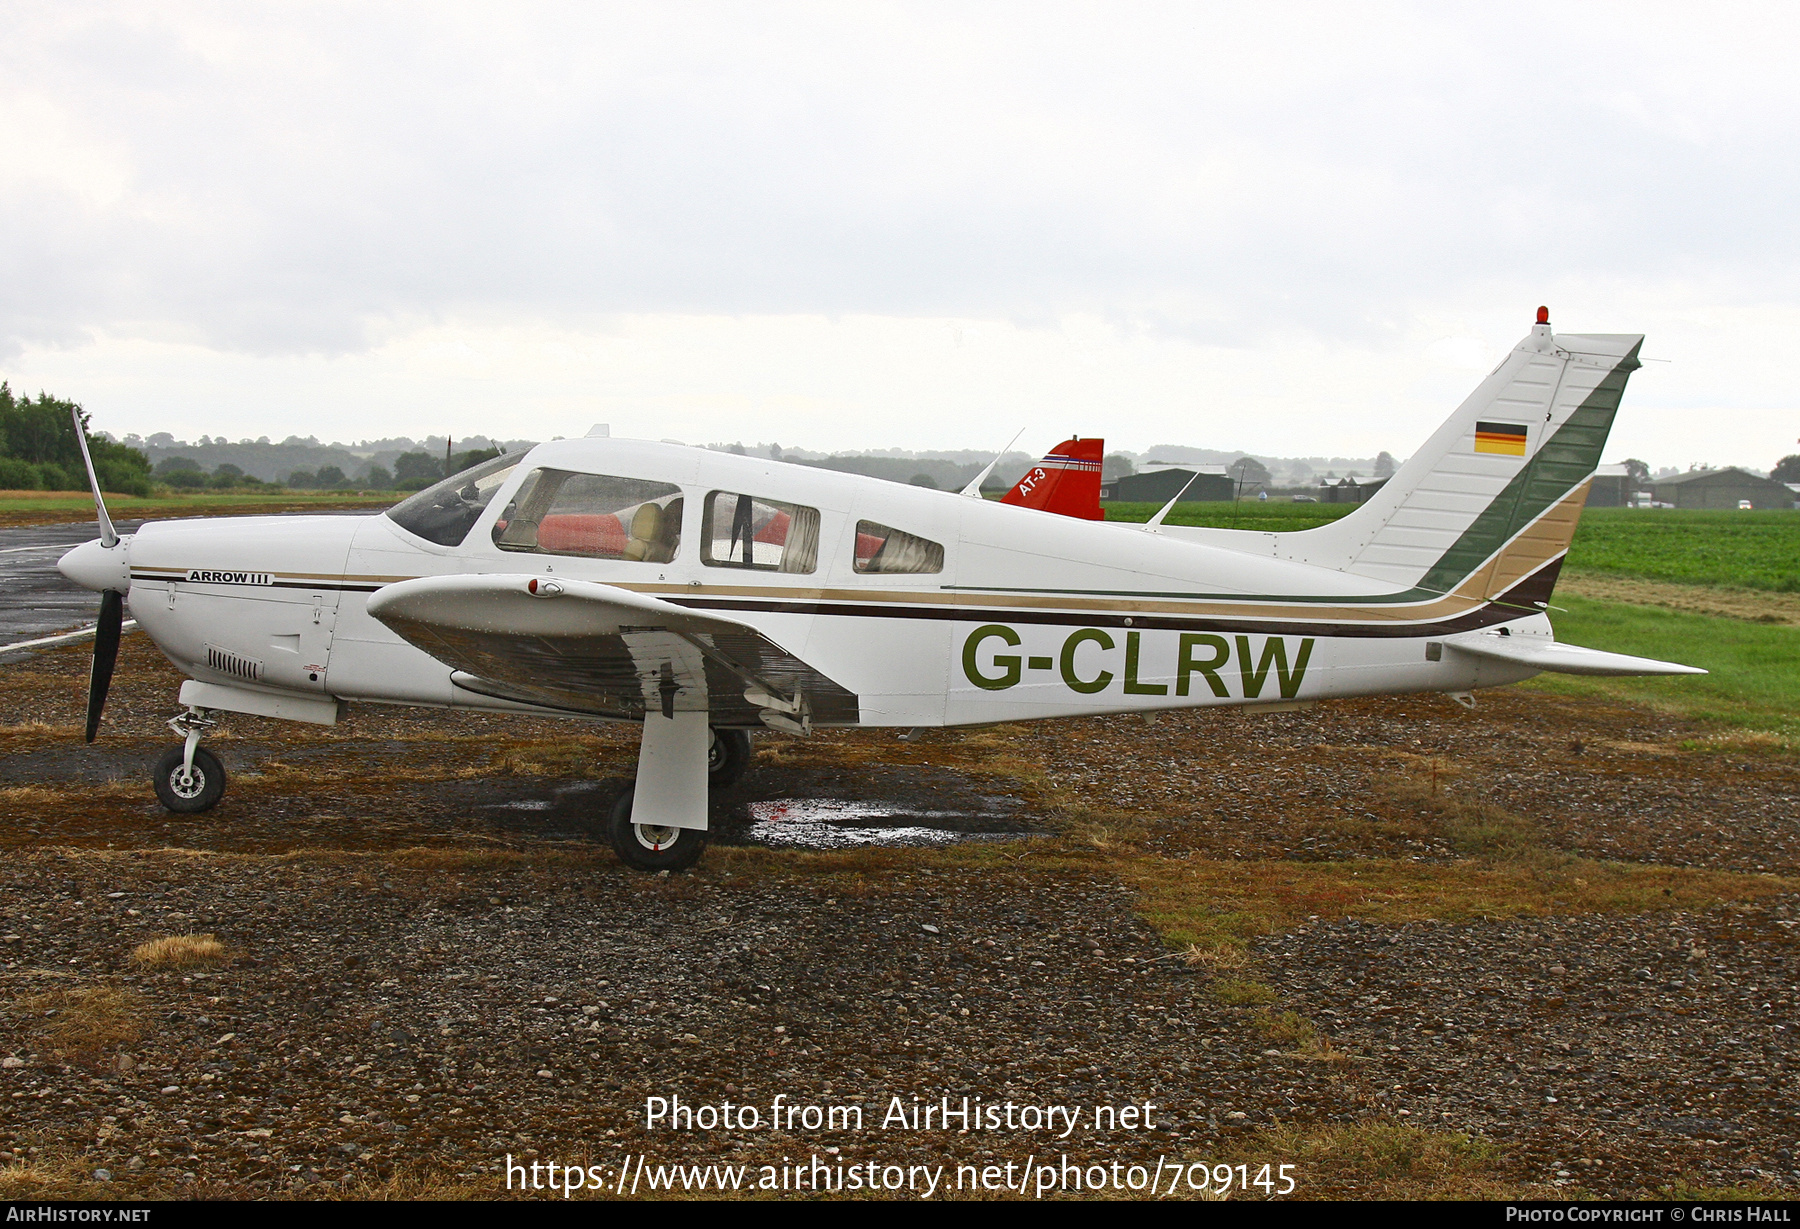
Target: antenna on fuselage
x=973, y=490
x=1150, y=526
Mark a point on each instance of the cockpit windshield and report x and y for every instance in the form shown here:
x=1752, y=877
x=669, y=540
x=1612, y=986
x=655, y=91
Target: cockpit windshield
x=445, y=512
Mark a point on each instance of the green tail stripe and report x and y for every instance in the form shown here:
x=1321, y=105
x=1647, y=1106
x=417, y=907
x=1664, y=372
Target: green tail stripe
x=1558, y=467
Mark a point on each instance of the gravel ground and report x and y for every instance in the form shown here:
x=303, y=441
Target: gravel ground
x=1604, y=1046
x=421, y=977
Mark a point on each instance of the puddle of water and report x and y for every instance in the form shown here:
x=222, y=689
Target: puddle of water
x=543, y=804
x=827, y=823
x=832, y=823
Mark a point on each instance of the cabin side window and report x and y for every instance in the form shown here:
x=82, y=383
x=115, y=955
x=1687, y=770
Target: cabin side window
x=881, y=548
x=445, y=511
x=742, y=531
x=593, y=516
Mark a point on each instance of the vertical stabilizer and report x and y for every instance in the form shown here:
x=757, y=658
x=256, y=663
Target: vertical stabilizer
x=1066, y=481
x=1493, y=497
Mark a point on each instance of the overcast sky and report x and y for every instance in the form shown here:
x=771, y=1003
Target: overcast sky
x=1288, y=229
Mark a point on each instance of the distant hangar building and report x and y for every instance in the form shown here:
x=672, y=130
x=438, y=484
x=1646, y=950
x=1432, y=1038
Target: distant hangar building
x=1612, y=487
x=1349, y=490
x=1722, y=488
x=1160, y=485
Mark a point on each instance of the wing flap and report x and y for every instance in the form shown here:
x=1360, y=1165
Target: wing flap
x=1544, y=654
x=599, y=649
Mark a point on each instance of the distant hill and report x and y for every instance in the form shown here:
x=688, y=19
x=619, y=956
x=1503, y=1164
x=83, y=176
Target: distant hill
x=274, y=462
x=952, y=469
x=946, y=475
x=949, y=469
x=1286, y=471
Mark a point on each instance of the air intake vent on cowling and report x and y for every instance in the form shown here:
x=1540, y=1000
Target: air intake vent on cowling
x=230, y=663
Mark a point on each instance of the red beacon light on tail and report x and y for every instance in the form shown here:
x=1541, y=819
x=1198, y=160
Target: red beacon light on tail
x=1543, y=315
x=1066, y=481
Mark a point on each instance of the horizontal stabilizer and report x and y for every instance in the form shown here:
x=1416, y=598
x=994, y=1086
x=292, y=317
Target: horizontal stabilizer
x=1541, y=653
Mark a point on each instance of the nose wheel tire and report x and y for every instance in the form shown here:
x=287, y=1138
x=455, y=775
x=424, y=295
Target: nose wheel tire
x=729, y=758
x=651, y=847
x=189, y=793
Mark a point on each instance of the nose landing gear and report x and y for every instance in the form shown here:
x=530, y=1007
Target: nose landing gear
x=188, y=778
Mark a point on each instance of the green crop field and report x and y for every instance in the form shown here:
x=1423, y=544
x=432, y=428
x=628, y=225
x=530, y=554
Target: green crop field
x=1750, y=550
x=1272, y=516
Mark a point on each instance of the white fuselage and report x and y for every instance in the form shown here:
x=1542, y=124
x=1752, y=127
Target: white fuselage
x=1033, y=614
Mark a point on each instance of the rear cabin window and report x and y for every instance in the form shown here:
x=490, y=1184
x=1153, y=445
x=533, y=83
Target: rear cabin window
x=742, y=531
x=445, y=511
x=593, y=516
x=881, y=548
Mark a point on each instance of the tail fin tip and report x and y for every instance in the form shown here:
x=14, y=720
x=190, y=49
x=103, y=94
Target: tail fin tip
x=1066, y=481
x=1494, y=494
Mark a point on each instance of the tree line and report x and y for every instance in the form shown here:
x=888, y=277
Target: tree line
x=412, y=471
x=39, y=451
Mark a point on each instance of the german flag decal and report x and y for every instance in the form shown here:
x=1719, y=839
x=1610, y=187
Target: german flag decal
x=1505, y=438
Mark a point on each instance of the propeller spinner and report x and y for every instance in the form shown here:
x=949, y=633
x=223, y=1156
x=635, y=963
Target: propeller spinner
x=100, y=565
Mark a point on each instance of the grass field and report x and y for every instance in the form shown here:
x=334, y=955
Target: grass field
x=50, y=507
x=1755, y=667
x=1754, y=682
x=1750, y=550
x=1277, y=515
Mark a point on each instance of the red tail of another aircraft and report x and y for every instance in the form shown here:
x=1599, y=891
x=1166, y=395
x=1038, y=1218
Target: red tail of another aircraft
x=1067, y=481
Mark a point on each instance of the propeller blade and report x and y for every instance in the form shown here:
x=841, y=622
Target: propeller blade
x=109, y=537
x=106, y=654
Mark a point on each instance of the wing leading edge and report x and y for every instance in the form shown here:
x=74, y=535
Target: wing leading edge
x=590, y=648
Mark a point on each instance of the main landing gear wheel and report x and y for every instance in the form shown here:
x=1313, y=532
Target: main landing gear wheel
x=729, y=758
x=189, y=793
x=652, y=847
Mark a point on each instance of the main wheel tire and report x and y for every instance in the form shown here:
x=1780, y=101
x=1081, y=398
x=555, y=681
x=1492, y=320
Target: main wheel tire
x=729, y=758
x=652, y=847
x=201, y=792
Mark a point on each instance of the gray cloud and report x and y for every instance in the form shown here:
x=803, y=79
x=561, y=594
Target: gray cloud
x=277, y=181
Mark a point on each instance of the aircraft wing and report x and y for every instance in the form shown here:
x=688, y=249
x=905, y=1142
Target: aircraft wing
x=592, y=648
x=1544, y=654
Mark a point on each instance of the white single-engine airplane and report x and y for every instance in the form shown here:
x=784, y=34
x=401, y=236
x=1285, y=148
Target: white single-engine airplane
x=706, y=595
